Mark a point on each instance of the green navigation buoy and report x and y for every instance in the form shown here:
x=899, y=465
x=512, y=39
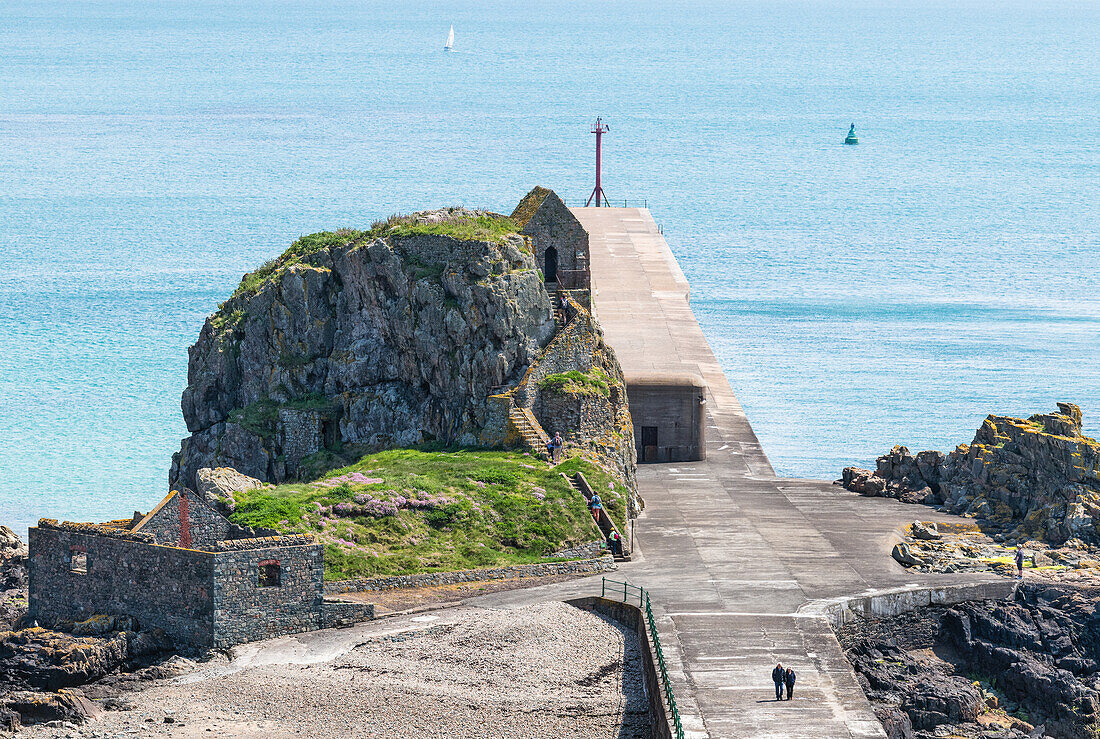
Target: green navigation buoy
x=851, y=137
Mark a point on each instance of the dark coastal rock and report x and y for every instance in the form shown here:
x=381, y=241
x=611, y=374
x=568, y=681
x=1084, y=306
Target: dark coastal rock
x=1038, y=654
x=44, y=659
x=351, y=339
x=29, y=707
x=927, y=697
x=895, y=722
x=1034, y=478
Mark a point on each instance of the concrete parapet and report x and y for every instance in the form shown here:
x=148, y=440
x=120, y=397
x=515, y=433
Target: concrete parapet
x=886, y=603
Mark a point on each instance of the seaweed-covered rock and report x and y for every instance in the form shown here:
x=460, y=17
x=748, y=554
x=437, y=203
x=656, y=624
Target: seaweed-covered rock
x=1037, y=477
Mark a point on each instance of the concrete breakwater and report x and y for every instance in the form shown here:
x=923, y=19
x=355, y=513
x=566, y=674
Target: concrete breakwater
x=732, y=555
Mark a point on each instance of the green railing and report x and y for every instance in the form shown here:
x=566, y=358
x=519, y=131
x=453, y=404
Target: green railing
x=629, y=593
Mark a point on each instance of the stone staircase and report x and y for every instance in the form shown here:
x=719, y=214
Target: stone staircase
x=533, y=435
x=559, y=313
x=578, y=482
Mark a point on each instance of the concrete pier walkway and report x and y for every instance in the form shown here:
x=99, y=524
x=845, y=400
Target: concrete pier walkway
x=741, y=565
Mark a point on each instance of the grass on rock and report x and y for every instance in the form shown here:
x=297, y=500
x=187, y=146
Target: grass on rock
x=593, y=382
x=418, y=510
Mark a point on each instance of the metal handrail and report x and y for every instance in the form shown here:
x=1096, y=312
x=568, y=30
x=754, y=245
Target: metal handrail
x=654, y=638
x=643, y=203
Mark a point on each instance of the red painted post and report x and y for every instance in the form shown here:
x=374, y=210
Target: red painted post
x=599, y=128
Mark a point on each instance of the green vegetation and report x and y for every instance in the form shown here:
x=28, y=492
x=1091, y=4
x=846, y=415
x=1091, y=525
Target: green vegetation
x=485, y=227
x=424, y=510
x=260, y=417
x=593, y=382
x=224, y=322
x=461, y=224
x=299, y=252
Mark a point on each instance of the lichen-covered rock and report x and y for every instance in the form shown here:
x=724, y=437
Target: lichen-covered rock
x=370, y=340
x=1039, y=477
x=218, y=485
x=45, y=659
x=926, y=531
x=904, y=555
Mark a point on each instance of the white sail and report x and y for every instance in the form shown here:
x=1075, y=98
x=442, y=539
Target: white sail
x=450, y=40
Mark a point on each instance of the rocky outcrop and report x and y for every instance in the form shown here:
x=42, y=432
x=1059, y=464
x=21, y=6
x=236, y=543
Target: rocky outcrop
x=40, y=667
x=1038, y=477
x=982, y=666
x=927, y=698
x=25, y=708
x=361, y=340
x=76, y=654
x=217, y=486
x=13, y=579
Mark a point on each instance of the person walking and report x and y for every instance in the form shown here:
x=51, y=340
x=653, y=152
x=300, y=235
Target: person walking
x=615, y=543
x=778, y=676
x=788, y=680
x=559, y=445
x=594, y=506
x=550, y=450
x=1019, y=561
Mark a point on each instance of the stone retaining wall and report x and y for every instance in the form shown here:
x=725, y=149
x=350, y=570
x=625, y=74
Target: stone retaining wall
x=336, y=613
x=631, y=617
x=587, y=551
x=427, y=579
x=886, y=603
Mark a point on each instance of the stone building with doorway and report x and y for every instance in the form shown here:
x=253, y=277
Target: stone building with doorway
x=559, y=241
x=186, y=569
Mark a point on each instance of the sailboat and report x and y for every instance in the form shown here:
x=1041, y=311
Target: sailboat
x=450, y=45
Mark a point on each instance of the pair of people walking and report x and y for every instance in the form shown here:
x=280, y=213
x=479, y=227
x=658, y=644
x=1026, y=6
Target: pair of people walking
x=783, y=678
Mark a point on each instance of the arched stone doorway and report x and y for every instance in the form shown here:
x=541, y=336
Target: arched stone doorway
x=550, y=265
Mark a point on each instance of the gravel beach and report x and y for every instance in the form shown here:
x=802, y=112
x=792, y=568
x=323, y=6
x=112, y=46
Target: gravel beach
x=549, y=670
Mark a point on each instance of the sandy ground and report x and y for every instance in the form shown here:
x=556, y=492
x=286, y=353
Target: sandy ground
x=549, y=670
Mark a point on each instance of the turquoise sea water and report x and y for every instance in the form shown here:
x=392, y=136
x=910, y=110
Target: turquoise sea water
x=150, y=153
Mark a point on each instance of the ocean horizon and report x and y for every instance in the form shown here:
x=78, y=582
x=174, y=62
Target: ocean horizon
x=897, y=291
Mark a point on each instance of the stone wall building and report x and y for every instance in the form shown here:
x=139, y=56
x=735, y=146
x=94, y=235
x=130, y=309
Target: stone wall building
x=186, y=569
x=559, y=241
